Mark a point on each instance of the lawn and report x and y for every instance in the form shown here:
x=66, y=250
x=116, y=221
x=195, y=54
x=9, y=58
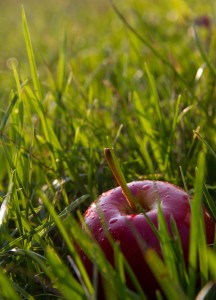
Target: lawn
x=77, y=77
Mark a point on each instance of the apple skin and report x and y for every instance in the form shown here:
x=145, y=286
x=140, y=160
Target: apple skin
x=121, y=221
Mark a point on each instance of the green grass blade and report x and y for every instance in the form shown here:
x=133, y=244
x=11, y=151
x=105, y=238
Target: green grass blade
x=135, y=282
x=7, y=292
x=8, y=113
x=171, y=288
x=50, y=137
x=212, y=262
x=195, y=224
x=148, y=133
x=202, y=254
x=61, y=70
x=184, y=180
x=179, y=253
x=30, y=53
x=166, y=245
x=204, y=56
x=17, y=210
x=120, y=268
x=156, y=101
x=210, y=203
x=211, y=150
x=21, y=291
x=47, y=128
x=17, y=80
x=172, y=133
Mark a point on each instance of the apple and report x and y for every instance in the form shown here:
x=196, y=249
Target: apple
x=117, y=210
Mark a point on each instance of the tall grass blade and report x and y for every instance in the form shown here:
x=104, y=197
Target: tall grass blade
x=166, y=245
x=36, y=96
x=170, y=287
x=61, y=70
x=49, y=133
x=17, y=80
x=210, y=203
x=7, y=291
x=212, y=262
x=184, y=180
x=156, y=101
x=196, y=229
x=179, y=254
x=30, y=53
x=211, y=150
x=172, y=133
x=202, y=253
x=8, y=113
x=204, y=55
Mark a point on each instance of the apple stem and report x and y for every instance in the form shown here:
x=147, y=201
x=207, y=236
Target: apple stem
x=115, y=168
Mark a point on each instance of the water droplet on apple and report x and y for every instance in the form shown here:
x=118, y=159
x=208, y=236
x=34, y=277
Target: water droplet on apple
x=145, y=187
x=113, y=220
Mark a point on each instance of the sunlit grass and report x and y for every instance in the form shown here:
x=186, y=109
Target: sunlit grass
x=75, y=79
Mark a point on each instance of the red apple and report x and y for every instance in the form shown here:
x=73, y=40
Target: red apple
x=122, y=222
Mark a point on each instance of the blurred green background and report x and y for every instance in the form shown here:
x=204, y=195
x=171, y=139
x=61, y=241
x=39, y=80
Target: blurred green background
x=48, y=20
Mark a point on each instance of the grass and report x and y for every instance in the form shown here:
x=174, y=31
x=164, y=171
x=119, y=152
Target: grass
x=75, y=79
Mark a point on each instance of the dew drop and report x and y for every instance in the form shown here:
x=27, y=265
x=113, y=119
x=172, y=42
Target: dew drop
x=112, y=221
x=145, y=187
